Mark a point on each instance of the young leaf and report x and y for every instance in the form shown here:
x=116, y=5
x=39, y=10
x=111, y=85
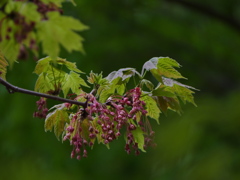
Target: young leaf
x=184, y=94
x=163, y=91
x=50, y=80
x=43, y=83
x=56, y=75
x=171, y=82
x=174, y=104
x=123, y=73
x=139, y=138
x=73, y=81
x=3, y=66
x=151, y=106
x=106, y=93
x=97, y=79
x=129, y=72
x=60, y=30
x=121, y=89
x=149, y=65
x=162, y=66
x=147, y=83
x=162, y=103
x=116, y=86
x=70, y=65
x=45, y=63
x=56, y=78
x=42, y=65
x=181, y=90
x=166, y=66
x=56, y=120
x=169, y=103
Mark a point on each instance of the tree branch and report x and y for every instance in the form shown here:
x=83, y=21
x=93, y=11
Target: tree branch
x=234, y=23
x=12, y=89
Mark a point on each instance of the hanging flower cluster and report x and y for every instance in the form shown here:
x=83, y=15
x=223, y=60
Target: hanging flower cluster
x=106, y=122
x=110, y=110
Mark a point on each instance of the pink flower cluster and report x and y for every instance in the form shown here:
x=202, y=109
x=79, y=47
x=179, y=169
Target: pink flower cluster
x=42, y=108
x=106, y=122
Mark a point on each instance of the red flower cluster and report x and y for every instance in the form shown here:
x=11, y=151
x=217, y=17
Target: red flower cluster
x=106, y=122
x=42, y=108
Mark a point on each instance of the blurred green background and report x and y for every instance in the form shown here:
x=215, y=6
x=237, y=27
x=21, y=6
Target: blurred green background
x=203, y=143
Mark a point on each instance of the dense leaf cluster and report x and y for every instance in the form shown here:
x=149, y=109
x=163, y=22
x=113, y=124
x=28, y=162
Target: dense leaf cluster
x=110, y=109
x=122, y=104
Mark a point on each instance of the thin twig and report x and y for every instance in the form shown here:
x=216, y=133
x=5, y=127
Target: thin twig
x=12, y=89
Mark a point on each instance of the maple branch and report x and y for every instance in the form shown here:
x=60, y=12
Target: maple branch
x=12, y=89
x=228, y=20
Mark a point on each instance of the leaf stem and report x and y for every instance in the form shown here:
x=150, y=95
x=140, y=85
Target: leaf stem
x=134, y=80
x=55, y=81
x=12, y=89
x=144, y=74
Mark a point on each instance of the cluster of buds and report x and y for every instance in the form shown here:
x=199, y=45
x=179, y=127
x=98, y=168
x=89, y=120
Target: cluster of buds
x=74, y=133
x=42, y=109
x=106, y=122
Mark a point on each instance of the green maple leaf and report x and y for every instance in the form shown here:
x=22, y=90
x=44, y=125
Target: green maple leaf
x=116, y=86
x=162, y=66
x=100, y=83
x=116, y=82
x=42, y=65
x=97, y=79
x=52, y=77
x=57, y=120
x=167, y=95
x=185, y=94
x=121, y=89
x=123, y=73
x=73, y=81
x=152, y=108
x=163, y=91
x=43, y=83
x=60, y=30
x=106, y=93
x=70, y=65
x=181, y=90
x=166, y=103
x=138, y=135
x=45, y=63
